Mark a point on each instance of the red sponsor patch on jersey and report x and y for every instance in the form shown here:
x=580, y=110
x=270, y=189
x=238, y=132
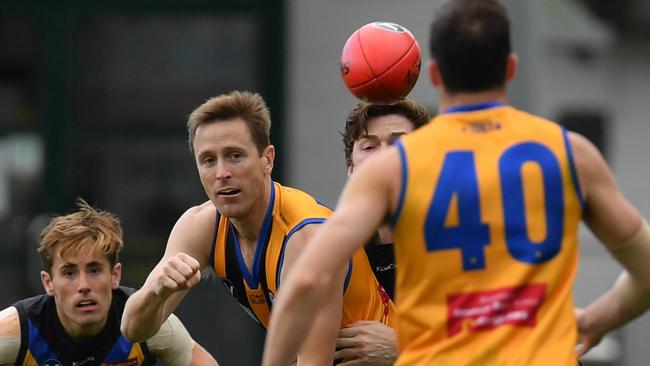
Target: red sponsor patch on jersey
x=385, y=299
x=130, y=362
x=484, y=310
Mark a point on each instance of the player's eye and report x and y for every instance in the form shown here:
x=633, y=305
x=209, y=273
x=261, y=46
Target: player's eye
x=208, y=161
x=236, y=156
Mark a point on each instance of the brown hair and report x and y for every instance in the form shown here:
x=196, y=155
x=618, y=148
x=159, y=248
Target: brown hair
x=357, y=121
x=72, y=232
x=470, y=41
x=250, y=107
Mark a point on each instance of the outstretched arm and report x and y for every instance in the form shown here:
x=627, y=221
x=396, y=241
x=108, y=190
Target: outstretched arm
x=187, y=252
x=618, y=225
x=364, y=204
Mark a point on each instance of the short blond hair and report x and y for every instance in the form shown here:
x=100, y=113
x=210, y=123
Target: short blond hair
x=72, y=232
x=250, y=107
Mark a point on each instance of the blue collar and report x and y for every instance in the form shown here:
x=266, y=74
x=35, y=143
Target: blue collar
x=473, y=107
x=252, y=279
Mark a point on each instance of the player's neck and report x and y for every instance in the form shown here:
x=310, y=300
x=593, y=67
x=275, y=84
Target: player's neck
x=249, y=226
x=448, y=100
x=78, y=332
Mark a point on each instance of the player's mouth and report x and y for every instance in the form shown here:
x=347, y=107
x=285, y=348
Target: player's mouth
x=87, y=305
x=227, y=192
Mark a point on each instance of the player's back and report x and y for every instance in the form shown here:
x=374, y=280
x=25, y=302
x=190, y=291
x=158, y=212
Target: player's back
x=486, y=241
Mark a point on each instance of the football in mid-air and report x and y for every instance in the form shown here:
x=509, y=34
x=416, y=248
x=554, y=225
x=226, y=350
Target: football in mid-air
x=380, y=62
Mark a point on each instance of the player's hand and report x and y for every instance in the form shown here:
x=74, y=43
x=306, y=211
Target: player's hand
x=366, y=343
x=587, y=337
x=176, y=273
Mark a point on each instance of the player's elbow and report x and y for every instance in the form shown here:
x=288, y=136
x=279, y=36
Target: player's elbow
x=129, y=332
x=132, y=331
x=313, y=284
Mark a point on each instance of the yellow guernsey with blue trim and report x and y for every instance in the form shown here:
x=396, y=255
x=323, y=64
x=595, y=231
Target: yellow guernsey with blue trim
x=289, y=211
x=486, y=241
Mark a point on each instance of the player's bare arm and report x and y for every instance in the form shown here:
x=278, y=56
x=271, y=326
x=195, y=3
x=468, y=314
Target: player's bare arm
x=309, y=286
x=188, y=250
x=624, y=233
x=322, y=336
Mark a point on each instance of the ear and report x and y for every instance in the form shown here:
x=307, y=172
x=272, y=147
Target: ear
x=350, y=168
x=434, y=73
x=46, y=280
x=116, y=276
x=511, y=66
x=268, y=157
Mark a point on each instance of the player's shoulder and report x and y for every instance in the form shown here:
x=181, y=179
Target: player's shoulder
x=206, y=209
x=197, y=217
x=35, y=305
x=291, y=193
x=36, y=309
x=589, y=162
x=295, y=206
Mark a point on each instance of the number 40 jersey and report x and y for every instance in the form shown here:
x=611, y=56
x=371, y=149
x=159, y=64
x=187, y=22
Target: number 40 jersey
x=486, y=240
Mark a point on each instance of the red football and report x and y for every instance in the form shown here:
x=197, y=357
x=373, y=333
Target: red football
x=380, y=62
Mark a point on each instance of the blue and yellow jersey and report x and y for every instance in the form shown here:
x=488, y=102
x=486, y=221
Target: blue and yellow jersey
x=289, y=211
x=44, y=341
x=486, y=240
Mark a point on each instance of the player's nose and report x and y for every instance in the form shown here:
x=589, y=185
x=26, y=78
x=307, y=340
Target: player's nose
x=83, y=285
x=222, y=171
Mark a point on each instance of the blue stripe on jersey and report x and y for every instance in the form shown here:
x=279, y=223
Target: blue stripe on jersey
x=348, y=276
x=217, y=217
x=253, y=278
x=120, y=351
x=324, y=205
x=473, y=107
x=38, y=347
x=572, y=166
x=303, y=223
x=402, y=191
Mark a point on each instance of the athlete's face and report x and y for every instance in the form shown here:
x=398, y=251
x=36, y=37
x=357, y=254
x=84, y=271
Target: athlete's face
x=233, y=173
x=82, y=285
x=380, y=133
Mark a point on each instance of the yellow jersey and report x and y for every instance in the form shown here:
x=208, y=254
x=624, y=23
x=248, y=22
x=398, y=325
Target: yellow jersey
x=289, y=211
x=485, y=237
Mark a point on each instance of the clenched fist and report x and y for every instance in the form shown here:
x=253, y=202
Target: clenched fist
x=176, y=273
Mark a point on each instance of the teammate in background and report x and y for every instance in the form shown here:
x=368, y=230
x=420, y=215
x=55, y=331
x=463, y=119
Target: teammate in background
x=485, y=203
x=77, y=321
x=251, y=230
x=371, y=128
